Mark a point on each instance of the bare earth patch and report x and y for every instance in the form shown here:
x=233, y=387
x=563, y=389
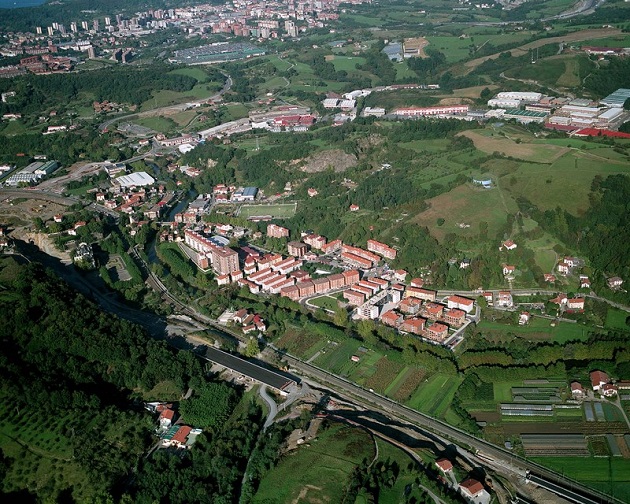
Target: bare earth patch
x=528, y=152
x=302, y=497
x=418, y=43
x=337, y=159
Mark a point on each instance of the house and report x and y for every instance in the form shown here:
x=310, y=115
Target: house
x=180, y=437
x=312, y=192
x=508, y=245
x=444, y=465
x=297, y=249
x=523, y=318
x=471, y=488
x=563, y=268
x=410, y=305
x=489, y=297
x=427, y=295
x=400, y=275
x=609, y=390
x=454, y=317
x=434, y=311
x=614, y=282
x=504, y=299
x=549, y=278
x=560, y=299
x=585, y=282
x=577, y=391
x=417, y=282
x=166, y=418
x=239, y=316
x=508, y=269
x=575, y=304
x=354, y=208
x=598, y=380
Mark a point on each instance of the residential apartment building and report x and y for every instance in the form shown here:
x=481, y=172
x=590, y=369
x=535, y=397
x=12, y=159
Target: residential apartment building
x=275, y=231
x=382, y=249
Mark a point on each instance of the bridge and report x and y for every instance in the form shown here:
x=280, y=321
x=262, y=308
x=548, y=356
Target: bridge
x=272, y=379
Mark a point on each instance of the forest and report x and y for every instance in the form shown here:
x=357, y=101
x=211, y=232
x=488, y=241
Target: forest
x=76, y=374
x=115, y=84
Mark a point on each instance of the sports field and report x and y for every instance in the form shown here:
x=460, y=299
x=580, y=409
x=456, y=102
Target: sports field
x=275, y=210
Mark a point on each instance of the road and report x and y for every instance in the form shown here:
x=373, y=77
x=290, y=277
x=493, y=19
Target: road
x=169, y=108
x=273, y=407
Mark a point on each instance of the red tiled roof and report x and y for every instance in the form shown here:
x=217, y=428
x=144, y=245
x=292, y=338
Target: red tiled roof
x=444, y=464
x=181, y=435
x=472, y=485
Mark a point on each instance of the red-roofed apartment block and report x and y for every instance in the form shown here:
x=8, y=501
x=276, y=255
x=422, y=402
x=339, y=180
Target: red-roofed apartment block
x=461, y=303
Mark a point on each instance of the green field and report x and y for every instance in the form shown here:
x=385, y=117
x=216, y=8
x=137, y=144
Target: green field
x=277, y=211
x=347, y=63
x=325, y=302
x=194, y=72
x=160, y=124
x=317, y=471
x=537, y=329
x=435, y=395
x=617, y=319
x=608, y=474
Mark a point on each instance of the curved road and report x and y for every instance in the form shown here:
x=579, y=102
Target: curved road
x=169, y=108
x=273, y=407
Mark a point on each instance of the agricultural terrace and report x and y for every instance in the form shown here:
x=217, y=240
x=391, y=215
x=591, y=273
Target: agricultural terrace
x=275, y=211
x=385, y=374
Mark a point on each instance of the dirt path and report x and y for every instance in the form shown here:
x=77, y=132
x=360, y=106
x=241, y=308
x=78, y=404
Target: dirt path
x=524, y=49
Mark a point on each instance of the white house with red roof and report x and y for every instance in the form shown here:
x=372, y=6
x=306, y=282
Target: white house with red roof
x=444, y=465
x=166, y=418
x=508, y=245
x=575, y=304
x=550, y=278
x=563, y=268
x=598, y=380
x=508, y=269
x=577, y=391
x=474, y=491
x=523, y=318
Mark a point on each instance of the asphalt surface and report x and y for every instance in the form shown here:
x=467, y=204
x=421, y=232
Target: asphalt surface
x=273, y=407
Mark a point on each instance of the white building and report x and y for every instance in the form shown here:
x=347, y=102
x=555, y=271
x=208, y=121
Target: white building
x=137, y=179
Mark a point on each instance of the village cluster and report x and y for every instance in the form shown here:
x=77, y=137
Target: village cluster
x=110, y=36
x=376, y=293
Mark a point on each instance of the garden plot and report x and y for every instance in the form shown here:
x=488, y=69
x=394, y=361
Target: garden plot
x=557, y=445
